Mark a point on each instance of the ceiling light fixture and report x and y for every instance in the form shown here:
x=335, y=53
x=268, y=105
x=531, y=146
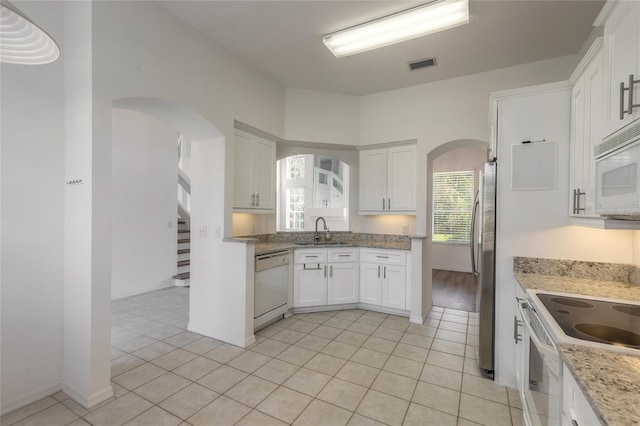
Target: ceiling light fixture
x=402, y=26
x=22, y=41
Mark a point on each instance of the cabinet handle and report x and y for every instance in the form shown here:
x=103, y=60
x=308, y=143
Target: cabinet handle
x=383, y=204
x=325, y=271
x=344, y=255
x=331, y=271
x=253, y=200
x=388, y=203
x=311, y=256
x=574, y=422
x=258, y=200
x=378, y=271
x=630, y=104
x=622, y=111
x=385, y=273
x=516, y=336
x=382, y=257
x=576, y=201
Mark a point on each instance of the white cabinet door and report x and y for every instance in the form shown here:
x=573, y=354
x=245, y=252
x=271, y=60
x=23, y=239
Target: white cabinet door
x=265, y=174
x=310, y=285
x=371, y=283
x=244, y=173
x=576, y=409
x=394, y=286
x=373, y=180
x=587, y=131
x=342, y=285
x=254, y=173
x=622, y=51
x=401, y=178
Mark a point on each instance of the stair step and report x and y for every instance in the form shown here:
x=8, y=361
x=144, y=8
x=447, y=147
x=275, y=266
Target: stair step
x=182, y=276
x=184, y=240
x=184, y=263
x=184, y=251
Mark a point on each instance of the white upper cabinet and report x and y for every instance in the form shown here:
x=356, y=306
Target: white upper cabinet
x=254, y=173
x=621, y=21
x=587, y=128
x=388, y=180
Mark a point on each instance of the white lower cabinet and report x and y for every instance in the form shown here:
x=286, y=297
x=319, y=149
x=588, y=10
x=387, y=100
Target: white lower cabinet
x=342, y=285
x=576, y=410
x=383, y=278
x=309, y=285
x=325, y=277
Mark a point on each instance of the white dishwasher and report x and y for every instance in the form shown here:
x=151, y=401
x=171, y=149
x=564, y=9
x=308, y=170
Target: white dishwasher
x=271, y=287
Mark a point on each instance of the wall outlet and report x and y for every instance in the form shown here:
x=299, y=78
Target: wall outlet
x=405, y=229
x=203, y=232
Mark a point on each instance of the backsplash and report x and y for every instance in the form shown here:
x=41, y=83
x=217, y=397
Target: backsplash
x=578, y=269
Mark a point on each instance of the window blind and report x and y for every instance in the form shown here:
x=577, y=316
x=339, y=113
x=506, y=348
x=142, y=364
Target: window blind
x=452, y=204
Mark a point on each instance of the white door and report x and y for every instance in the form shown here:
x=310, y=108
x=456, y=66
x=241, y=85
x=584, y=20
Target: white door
x=401, y=178
x=394, y=286
x=342, y=285
x=373, y=180
x=310, y=285
x=371, y=283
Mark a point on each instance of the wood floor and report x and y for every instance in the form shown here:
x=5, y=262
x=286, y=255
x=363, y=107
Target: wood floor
x=456, y=290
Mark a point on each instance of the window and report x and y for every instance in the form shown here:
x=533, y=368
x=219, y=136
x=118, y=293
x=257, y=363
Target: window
x=294, y=193
x=452, y=204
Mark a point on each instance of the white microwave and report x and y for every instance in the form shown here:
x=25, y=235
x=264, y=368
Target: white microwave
x=618, y=182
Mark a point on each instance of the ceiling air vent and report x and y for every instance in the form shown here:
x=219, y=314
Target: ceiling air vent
x=422, y=63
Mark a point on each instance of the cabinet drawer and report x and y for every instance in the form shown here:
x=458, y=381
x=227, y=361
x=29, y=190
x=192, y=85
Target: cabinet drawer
x=343, y=254
x=387, y=257
x=310, y=256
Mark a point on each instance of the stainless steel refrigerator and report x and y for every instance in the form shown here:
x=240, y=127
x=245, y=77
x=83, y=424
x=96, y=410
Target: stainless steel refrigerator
x=483, y=242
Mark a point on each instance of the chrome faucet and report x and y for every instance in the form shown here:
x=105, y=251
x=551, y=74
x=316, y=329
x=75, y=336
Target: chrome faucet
x=316, y=236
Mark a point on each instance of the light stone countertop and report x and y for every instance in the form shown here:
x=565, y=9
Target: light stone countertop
x=263, y=248
x=610, y=380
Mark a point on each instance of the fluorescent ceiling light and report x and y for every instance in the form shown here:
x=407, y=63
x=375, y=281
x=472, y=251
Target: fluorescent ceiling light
x=416, y=22
x=22, y=41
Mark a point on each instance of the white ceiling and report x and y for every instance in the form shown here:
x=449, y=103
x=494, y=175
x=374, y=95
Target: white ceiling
x=284, y=39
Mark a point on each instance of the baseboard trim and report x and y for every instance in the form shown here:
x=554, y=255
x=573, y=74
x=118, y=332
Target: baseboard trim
x=233, y=340
x=169, y=282
x=90, y=401
x=23, y=400
x=451, y=268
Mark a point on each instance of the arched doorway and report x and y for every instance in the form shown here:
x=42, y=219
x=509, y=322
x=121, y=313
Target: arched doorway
x=453, y=175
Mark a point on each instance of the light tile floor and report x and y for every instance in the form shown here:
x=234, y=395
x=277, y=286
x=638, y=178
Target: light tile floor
x=350, y=367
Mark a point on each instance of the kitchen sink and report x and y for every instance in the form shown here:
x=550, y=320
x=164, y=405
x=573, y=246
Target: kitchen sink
x=607, y=322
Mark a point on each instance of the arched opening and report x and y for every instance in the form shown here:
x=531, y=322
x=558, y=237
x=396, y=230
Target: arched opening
x=149, y=136
x=453, y=176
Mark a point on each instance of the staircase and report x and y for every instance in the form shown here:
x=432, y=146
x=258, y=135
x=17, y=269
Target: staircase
x=182, y=278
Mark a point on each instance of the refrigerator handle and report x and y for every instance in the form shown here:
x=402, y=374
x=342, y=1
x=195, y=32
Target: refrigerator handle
x=472, y=245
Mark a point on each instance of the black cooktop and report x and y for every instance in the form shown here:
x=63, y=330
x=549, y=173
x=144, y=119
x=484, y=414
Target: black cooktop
x=595, y=320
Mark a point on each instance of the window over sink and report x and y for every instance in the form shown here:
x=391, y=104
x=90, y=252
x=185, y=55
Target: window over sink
x=310, y=186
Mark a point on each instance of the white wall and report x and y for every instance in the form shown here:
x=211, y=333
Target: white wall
x=143, y=202
x=32, y=182
x=535, y=223
x=321, y=117
x=447, y=256
x=443, y=111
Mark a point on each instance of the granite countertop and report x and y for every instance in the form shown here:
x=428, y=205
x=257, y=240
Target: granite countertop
x=269, y=247
x=609, y=379
x=269, y=243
